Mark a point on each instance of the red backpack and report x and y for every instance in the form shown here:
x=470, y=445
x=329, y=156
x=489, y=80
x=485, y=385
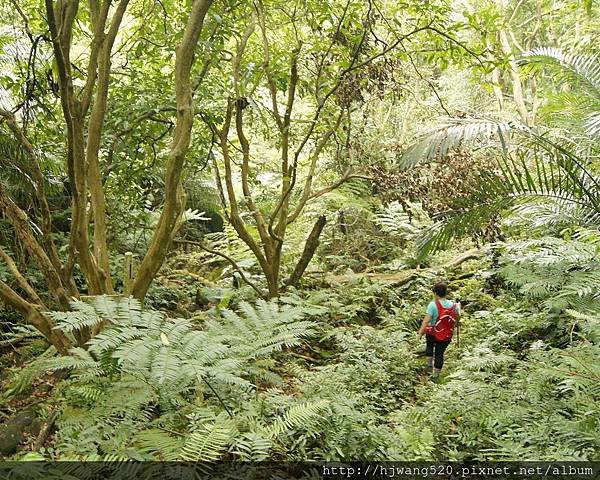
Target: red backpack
x=444, y=325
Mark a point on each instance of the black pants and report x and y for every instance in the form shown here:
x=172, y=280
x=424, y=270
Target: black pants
x=436, y=349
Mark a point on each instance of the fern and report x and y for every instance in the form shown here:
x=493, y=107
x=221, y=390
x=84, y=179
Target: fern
x=395, y=221
x=209, y=442
x=252, y=447
x=563, y=272
x=159, y=444
x=170, y=355
x=303, y=414
x=18, y=333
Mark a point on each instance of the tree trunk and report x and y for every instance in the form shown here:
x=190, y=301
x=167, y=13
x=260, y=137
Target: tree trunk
x=310, y=247
x=184, y=59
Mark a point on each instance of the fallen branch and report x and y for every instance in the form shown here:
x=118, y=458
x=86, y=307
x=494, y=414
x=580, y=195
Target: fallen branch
x=468, y=255
x=405, y=276
x=397, y=279
x=304, y=357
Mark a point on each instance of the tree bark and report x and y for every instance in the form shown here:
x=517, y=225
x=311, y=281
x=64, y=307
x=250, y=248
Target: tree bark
x=21, y=280
x=39, y=187
x=20, y=222
x=94, y=178
x=517, y=84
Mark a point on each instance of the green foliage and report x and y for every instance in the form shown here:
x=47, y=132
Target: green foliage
x=378, y=365
x=534, y=166
x=144, y=372
x=580, y=71
x=567, y=270
x=169, y=353
x=527, y=412
x=325, y=372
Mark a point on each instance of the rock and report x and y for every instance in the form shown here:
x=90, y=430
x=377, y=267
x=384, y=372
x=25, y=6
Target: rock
x=13, y=432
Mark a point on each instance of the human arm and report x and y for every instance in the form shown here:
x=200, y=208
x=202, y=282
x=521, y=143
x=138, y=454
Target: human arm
x=429, y=315
x=426, y=319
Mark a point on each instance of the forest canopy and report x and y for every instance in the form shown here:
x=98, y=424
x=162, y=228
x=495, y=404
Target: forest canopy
x=221, y=222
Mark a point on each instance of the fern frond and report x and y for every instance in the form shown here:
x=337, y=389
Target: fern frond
x=252, y=447
x=165, y=366
x=129, y=311
x=83, y=315
x=209, y=442
x=78, y=359
x=159, y=443
x=295, y=416
x=105, y=306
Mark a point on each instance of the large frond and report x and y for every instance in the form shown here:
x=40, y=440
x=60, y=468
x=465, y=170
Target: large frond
x=579, y=70
x=454, y=132
x=585, y=70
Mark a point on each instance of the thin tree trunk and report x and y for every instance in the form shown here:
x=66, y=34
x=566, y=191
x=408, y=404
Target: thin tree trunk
x=310, y=247
x=173, y=206
x=517, y=84
x=100, y=247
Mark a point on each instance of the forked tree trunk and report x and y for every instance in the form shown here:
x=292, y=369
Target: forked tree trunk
x=84, y=138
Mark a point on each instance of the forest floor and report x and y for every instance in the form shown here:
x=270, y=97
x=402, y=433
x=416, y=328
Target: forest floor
x=367, y=363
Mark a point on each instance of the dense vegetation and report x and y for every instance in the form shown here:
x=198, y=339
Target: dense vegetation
x=220, y=222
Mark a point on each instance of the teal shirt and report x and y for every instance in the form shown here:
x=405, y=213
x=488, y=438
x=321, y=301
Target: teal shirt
x=433, y=311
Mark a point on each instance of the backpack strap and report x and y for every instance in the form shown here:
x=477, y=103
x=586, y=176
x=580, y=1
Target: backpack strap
x=439, y=307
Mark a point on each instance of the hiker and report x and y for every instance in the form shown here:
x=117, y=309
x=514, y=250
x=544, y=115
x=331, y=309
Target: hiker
x=438, y=326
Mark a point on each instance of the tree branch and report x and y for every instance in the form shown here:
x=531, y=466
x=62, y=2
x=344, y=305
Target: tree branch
x=23, y=283
x=39, y=189
x=310, y=246
x=231, y=261
x=20, y=222
x=173, y=206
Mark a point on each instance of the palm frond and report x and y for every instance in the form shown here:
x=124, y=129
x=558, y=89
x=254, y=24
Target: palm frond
x=580, y=70
x=592, y=124
x=585, y=70
x=454, y=132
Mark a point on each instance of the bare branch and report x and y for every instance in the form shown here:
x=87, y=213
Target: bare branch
x=23, y=283
x=231, y=261
x=267, y=60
